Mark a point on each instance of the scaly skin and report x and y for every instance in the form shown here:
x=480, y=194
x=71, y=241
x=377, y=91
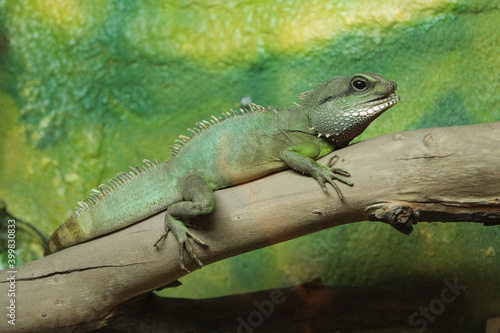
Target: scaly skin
x=233, y=149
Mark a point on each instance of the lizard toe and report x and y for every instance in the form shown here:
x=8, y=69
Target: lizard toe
x=183, y=236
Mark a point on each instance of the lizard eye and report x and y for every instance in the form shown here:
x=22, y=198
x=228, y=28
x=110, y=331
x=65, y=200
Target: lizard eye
x=359, y=84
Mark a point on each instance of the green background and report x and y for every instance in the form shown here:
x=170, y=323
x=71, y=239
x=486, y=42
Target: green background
x=88, y=88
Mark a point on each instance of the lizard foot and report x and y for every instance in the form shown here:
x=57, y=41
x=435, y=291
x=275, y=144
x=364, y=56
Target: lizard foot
x=326, y=173
x=339, y=171
x=182, y=234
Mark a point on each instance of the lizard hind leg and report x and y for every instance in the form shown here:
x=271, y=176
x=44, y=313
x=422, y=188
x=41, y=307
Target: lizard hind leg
x=198, y=199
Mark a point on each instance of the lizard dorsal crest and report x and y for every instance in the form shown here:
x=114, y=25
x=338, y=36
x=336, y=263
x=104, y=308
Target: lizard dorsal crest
x=114, y=183
x=204, y=125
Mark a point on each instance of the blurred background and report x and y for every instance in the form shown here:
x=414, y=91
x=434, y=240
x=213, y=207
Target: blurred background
x=88, y=88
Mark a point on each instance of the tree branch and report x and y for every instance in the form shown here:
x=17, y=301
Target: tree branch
x=442, y=174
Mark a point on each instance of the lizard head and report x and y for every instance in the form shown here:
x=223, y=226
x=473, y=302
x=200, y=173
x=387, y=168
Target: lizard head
x=341, y=108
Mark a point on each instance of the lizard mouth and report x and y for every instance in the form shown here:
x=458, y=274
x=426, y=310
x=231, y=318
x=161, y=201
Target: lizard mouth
x=374, y=107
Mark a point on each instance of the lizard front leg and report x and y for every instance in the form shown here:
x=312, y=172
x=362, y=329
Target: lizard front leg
x=302, y=157
x=198, y=199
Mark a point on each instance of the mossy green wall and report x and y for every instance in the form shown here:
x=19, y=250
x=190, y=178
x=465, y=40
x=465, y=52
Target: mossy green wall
x=90, y=87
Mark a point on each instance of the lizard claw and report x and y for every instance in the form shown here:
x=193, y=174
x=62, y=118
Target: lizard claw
x=338, y=171
x=182, y=234
x=342, y=172
x=327, y=174
x=334, y=159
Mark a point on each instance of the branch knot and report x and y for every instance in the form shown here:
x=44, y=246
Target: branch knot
x=401, y=217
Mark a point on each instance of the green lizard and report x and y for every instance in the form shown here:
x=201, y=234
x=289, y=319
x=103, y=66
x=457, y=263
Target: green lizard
x=229, y=150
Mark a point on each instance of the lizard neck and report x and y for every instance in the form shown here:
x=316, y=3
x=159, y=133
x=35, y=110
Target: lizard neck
x=297, y=119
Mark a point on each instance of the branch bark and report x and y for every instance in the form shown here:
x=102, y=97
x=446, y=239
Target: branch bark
x=441, y=174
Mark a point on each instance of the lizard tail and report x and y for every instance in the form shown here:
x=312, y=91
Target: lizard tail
x=68, y=234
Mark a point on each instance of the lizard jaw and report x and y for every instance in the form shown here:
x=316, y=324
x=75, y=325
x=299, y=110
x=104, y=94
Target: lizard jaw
x=352, y=123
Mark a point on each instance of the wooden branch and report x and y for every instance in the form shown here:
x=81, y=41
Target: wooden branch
x=440, y=174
